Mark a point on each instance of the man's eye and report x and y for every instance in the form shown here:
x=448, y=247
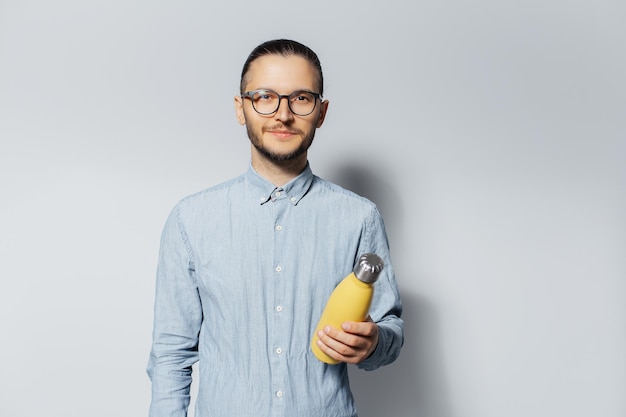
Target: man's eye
x=264, y=96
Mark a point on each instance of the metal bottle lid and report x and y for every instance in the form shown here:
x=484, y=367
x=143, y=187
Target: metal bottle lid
x=368, y=267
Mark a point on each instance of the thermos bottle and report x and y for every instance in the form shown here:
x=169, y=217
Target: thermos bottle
x=350, y=300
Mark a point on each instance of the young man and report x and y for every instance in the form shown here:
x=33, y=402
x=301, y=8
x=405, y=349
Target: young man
x=246, y=267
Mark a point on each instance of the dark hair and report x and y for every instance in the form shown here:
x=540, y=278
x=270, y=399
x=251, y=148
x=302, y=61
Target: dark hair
x=284, y=47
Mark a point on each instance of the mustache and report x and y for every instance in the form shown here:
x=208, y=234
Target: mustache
x=284, y=128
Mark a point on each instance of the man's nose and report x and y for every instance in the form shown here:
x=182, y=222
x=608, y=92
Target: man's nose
x=283, y=112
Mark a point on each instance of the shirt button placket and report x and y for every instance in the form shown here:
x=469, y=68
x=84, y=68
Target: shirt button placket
x=277, y=350
x=279, y=372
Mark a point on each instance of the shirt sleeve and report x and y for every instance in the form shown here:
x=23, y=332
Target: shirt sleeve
x=177, y=321
x=386, y=308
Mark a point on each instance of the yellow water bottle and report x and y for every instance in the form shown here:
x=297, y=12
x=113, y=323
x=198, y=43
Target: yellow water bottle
x=350, y=300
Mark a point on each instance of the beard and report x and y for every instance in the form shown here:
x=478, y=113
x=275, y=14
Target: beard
x=257, y=142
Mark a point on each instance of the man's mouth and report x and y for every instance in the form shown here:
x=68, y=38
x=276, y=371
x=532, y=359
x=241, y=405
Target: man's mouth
x=281, y=133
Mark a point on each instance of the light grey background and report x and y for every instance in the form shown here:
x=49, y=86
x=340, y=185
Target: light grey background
x=490, y=133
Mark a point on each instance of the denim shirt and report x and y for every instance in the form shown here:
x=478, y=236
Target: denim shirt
x=245, y=270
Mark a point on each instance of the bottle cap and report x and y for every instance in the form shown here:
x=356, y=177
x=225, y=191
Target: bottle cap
x=368, y=267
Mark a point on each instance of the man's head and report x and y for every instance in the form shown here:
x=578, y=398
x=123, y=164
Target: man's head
x=280, y=101
x=285, y=48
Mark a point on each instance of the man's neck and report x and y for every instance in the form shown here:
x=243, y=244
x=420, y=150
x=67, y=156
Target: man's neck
x=278, y=173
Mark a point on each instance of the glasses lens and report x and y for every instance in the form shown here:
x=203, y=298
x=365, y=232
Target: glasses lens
x=265, y=102
x=302, y=103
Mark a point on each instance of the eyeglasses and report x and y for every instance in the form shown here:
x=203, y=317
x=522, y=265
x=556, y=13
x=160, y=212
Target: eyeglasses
x=301, y=103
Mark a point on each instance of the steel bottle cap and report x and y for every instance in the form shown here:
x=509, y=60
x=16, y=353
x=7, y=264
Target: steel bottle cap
x=368, y=268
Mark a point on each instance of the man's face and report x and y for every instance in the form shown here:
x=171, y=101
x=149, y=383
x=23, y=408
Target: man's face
x=280, y=136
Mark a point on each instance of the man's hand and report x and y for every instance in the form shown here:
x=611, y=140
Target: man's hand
x=353, y=343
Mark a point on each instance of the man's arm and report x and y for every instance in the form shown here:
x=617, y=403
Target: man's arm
x=377, y=341
x=177, y=321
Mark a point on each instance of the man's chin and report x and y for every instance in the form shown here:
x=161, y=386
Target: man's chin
x=281, y=156
x=284, y=157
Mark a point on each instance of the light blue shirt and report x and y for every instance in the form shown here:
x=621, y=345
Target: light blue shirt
x=245, y=270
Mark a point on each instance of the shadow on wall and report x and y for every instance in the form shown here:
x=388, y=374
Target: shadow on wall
x=413, y=386
x=363, y=180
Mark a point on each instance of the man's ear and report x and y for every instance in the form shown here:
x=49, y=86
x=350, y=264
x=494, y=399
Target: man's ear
x=322, y=115
x=241, y=118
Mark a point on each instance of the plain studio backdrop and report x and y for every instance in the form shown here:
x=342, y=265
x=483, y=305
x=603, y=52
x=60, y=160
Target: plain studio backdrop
x=491, y=134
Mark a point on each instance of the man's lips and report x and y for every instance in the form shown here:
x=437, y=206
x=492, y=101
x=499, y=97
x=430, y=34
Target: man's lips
x=282, y=133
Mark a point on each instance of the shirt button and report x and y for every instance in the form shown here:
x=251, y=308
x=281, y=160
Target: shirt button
x=279, y=228
x=293, y=199
x=279, y=394
x=277, y=194
x=279, y=308
x=278, y=268
x=262, y=198
x=279, y=351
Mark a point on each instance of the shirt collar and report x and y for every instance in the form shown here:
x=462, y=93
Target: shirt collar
x=293, y=191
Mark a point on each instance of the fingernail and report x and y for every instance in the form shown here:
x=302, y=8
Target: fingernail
x=320, y=333
x=327, y=329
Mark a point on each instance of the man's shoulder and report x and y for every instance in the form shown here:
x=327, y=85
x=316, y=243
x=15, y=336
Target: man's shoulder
x=338, y=191
x=211, y=193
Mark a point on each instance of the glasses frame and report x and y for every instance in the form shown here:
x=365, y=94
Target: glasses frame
x=249, y=94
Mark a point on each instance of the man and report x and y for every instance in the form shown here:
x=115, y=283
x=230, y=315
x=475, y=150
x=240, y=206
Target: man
x=246, y=267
